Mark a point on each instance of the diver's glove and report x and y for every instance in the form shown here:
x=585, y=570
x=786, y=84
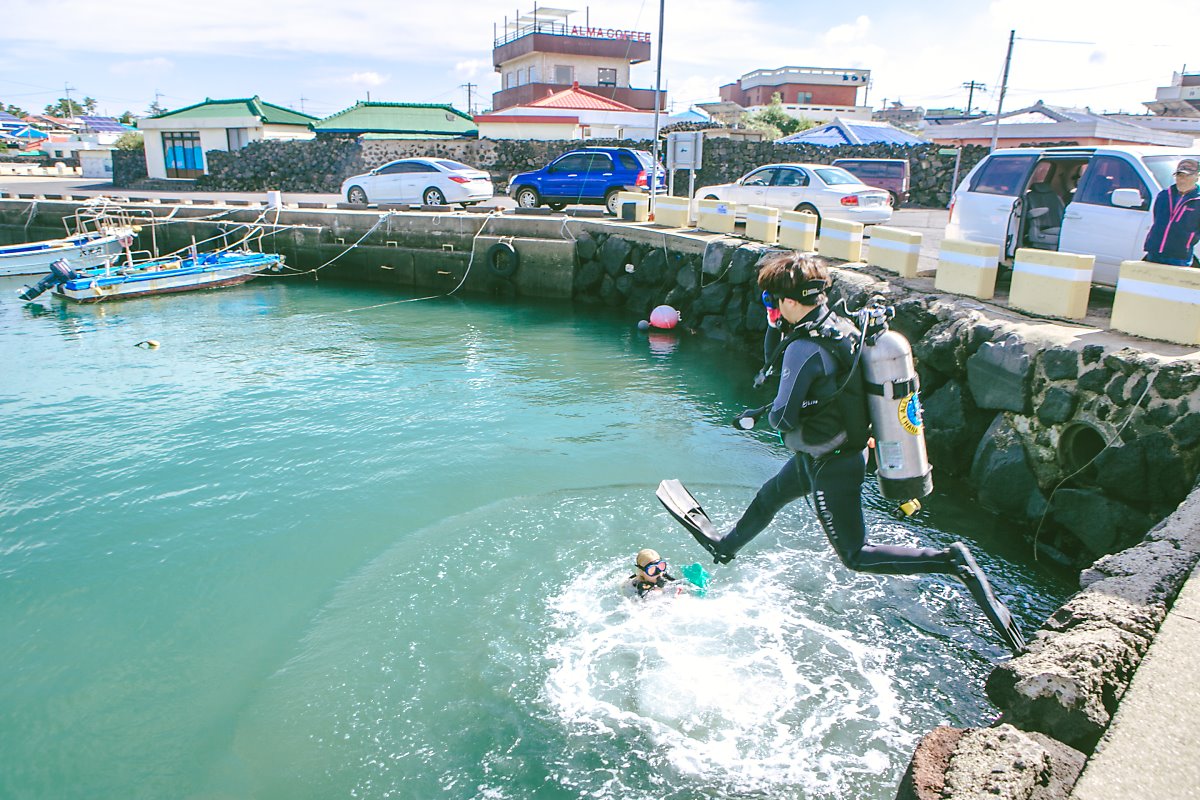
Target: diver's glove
x=749, y=418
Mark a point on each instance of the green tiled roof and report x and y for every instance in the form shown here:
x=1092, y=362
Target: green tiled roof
x=269, y=113
x=422, y=119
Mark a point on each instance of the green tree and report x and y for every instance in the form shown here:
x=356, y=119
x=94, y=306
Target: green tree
x=774, y=119
x=155, y=108
x=129, y=141
x=127, y=118
x=89, y=105
x=64, y=108
x=16, y=111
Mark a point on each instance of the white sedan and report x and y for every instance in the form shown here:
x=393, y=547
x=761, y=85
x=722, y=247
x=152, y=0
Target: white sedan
x=816, y=188
x=428, y=181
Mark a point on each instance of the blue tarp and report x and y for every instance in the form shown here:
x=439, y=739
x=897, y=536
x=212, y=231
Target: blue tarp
x=840, y=132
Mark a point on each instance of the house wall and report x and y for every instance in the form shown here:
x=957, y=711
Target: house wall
x=542, y=131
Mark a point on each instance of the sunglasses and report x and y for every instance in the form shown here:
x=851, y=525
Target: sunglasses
x=654, y=567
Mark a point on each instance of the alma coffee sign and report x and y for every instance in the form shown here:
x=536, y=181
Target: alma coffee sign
x=608, y=33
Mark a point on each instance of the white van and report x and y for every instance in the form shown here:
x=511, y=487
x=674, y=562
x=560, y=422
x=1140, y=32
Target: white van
x=1088, y=200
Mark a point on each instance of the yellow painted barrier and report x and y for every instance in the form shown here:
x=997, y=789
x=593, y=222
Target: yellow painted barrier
x=841, y=239
x=895, y=250
x=641, y=206
x=715, y=216
x=673, y=212
x=762, y=224
x=967, y=268
x=1055, y=284
x=1158, y=301
x=798, y=230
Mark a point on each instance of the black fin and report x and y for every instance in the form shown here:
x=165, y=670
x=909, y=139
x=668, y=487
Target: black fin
x=977, y=584
x=688, y=513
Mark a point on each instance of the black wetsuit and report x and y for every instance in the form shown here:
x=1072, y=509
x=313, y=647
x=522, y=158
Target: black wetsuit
x=643, y=588
x=829, y=458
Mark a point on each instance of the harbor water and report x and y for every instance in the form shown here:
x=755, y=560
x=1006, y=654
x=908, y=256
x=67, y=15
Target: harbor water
x=322, y=542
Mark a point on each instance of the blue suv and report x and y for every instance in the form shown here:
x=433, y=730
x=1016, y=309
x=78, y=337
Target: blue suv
x=590, y=175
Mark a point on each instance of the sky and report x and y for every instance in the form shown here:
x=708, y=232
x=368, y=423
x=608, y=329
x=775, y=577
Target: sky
x=321, y=57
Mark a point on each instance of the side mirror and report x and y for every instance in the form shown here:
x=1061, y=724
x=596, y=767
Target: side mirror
x=1127, y=198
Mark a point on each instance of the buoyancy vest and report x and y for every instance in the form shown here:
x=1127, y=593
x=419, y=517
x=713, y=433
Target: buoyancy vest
x=839, y=419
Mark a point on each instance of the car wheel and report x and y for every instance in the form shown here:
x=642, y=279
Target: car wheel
x=610, y=201
x=357, y=196
x=811, y=209
x=557, y=206
x=896, y=201
x=711, y=197
x=433, y=197
x=527, y=197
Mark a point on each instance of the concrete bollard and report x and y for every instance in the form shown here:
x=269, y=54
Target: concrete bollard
x=60, y=168
x=841, y=239
x=633, y=206
x=1158, y=301
x=798, y=230
x=895, y=250
x=1050, y=283
x=968, y=268
x=274, y=199
x=715, y=216
x=762, y=224
x=673, y=212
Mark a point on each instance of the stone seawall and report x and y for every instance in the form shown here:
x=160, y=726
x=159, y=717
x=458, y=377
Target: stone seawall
x=1063, y=430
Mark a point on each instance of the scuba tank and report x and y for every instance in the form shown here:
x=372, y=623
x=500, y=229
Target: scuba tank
x=891, y=386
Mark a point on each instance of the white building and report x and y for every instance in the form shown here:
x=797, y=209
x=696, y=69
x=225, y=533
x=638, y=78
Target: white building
x=572, y=113
x=176, y=141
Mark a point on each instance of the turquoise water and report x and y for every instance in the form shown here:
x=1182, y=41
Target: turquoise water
x=324, y=544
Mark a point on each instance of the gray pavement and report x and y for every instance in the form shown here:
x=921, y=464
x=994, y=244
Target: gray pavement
x=1152, y=746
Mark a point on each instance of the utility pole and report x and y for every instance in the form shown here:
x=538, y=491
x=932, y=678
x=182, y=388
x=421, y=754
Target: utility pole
x=469, y=87
x=302, y=99
x=67, y=88
x=662, y=10
x=972, y=86
x=1012, y=35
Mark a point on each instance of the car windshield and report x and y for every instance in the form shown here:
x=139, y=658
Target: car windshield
x=454, y=165
x=1163, y=167
x=834, y=176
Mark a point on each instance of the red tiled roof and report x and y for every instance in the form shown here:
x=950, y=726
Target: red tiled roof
x=525, y=118
x=580, y=99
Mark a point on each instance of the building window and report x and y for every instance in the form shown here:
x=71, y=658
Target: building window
x=803, y=97
x=607, y=77
x=182, y=154
x=533, y=74
x=564, y=74
x=237, y=137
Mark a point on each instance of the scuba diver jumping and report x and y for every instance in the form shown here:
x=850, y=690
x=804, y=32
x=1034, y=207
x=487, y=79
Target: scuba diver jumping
x=835, y=380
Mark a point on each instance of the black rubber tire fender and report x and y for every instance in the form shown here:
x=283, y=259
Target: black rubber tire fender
x=503, y=260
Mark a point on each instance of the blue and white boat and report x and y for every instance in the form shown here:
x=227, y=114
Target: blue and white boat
x=156, y=276
x=96, y=235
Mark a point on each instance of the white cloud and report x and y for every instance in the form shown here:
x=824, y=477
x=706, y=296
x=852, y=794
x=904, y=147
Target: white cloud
x=366, y=80
x=142, y=66
x=845, y=34
x=472, y=67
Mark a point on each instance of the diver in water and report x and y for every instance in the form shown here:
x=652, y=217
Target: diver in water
x=821, y=413
x=651, y=573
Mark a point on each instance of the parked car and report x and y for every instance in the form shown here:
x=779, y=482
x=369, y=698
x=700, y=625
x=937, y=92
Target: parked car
x=589, y=175
x=430, y=181
x=1086, y=200
x=889, y=174
x=820, y=189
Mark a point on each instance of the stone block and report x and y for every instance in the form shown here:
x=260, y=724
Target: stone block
x=715, y=216
x=1101, y=524
x=967, y=268
x=1000, y=471
x=762, y=224
x=1055, y=284
x=672, y=212
x=798, y=230
x=1158, y=301
x=999, y=376
x=614, y=253
x=895, y=250
x=1060, y=364
x=1057, y=406
x=840, y=239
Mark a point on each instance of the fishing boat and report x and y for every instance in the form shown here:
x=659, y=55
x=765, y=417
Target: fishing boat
x=96, y=234
x=156, y=276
